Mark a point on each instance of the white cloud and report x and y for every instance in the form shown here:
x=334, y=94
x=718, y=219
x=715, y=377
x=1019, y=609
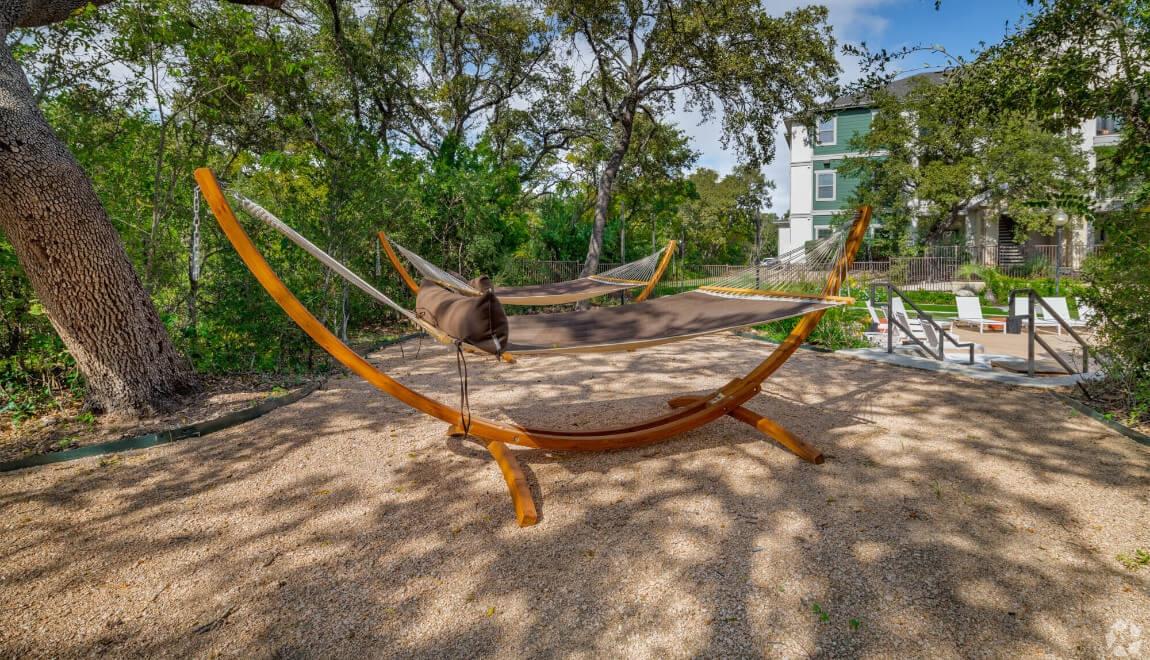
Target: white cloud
x=852, y=21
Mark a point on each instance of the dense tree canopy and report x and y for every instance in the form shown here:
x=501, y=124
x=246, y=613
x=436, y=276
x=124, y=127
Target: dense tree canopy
x=729, y=55
x=473, y=132
x=941, y=155
x=1077, y=60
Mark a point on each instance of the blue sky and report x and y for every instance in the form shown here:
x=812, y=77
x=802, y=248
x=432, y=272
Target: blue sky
x=958, y=27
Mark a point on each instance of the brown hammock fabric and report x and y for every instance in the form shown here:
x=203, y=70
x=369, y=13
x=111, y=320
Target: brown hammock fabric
x=652, y=322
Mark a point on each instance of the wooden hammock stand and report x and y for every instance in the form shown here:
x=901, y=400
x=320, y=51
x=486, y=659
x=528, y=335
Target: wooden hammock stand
x=687, y=413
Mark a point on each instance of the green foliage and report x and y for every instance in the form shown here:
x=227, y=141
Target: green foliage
x=1120, y=293
x=1135, y=560
x=942, y=156
x=35, y=370
x=718, y=225
x=999, y=285
x=840, y=328
x=652, y=184
x=730, y=54
x=1076, y=60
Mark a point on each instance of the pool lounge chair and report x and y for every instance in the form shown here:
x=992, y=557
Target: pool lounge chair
x=931, y=340
x=1022, y=308
x=915, y=324
x=1060, y=306
x=877, y=335
x=970, y=313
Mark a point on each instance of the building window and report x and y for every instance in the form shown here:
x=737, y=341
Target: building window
x=822, y=232
x=825, y=186
x=1108, y=126
x=827, y=131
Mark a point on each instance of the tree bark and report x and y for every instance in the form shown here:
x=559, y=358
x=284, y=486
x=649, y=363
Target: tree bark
x=77, y=264
x=606, y=191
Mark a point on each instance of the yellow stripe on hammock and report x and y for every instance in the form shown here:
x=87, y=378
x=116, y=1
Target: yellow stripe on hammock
x=777, y=294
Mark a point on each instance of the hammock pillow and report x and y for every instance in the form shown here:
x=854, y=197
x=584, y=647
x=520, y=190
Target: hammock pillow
x=483, y=284
x=477, y=320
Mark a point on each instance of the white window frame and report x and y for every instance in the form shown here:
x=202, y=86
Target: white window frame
x=819, y=228
x=834, y=133
x=834, y=185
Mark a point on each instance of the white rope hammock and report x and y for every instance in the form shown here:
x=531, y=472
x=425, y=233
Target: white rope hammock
x=637, y=272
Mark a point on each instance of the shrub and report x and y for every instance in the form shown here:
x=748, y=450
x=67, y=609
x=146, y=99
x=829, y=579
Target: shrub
x=1120, y=276
x=840, y=328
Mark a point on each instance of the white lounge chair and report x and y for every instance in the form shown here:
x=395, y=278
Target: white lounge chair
x=1059, y=305
x=1022, y=308
x=915, y=325
x=965, y=352
x=876, y=337
x=970, y=313
x=1086, y=313
x=931, y=339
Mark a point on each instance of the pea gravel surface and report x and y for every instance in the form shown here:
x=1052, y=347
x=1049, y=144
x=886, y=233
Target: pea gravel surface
x=952, y=518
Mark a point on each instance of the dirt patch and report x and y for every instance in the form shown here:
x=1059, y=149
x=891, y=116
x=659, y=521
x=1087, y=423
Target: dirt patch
x=71, y=426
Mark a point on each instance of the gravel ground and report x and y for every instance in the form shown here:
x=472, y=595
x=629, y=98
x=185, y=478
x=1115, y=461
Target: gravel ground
x=951, y=519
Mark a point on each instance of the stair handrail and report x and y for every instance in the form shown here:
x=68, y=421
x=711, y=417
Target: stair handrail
x=892, y=321
x=1033, y=335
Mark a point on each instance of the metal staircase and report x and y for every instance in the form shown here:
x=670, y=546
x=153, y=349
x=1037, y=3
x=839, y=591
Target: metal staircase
x=1009, y=252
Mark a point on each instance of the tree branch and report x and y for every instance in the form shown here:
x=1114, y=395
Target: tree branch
x=38, y=13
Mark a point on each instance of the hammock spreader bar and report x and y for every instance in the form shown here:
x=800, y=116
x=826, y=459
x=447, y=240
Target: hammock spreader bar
x=687, y=413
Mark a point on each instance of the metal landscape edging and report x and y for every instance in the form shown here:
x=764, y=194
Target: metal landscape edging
x=197, y=430
x=1140, y=438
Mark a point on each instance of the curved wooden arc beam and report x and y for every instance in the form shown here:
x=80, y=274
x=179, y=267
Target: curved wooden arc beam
x=394, y=259
x=525, y=512
x=668, y=254
x=708, y=409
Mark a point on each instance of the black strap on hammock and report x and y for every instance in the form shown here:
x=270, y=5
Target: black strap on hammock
x=464, y=394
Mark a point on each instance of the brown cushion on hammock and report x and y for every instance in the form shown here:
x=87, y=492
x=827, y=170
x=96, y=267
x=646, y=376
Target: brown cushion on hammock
x=482, y=283
x=477, y=320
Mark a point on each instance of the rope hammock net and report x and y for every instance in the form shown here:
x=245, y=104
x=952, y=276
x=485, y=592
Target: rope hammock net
x=686, y=413
x=753, y=296
x=645, y=272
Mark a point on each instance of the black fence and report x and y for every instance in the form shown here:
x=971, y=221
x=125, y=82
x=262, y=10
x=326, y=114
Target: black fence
x=939, y=269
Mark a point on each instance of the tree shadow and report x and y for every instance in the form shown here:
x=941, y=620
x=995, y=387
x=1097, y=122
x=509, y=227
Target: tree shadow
x=951, y=517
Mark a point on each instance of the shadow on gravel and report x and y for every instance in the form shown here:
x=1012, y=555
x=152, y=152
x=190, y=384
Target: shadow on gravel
x=950, y=518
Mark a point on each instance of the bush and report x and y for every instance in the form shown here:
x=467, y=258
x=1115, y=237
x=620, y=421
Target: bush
x=999, y=286
x=840, y=328
x=1120, y=274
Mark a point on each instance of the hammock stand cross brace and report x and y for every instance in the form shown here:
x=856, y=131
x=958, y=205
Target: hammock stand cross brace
x=687, y=413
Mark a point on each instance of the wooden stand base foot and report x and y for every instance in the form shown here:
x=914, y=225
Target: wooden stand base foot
x=525, y=511
x=767, y=427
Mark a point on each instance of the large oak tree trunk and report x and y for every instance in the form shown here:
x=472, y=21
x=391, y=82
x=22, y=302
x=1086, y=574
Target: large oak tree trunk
x=605, y=192
x=76, y=262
